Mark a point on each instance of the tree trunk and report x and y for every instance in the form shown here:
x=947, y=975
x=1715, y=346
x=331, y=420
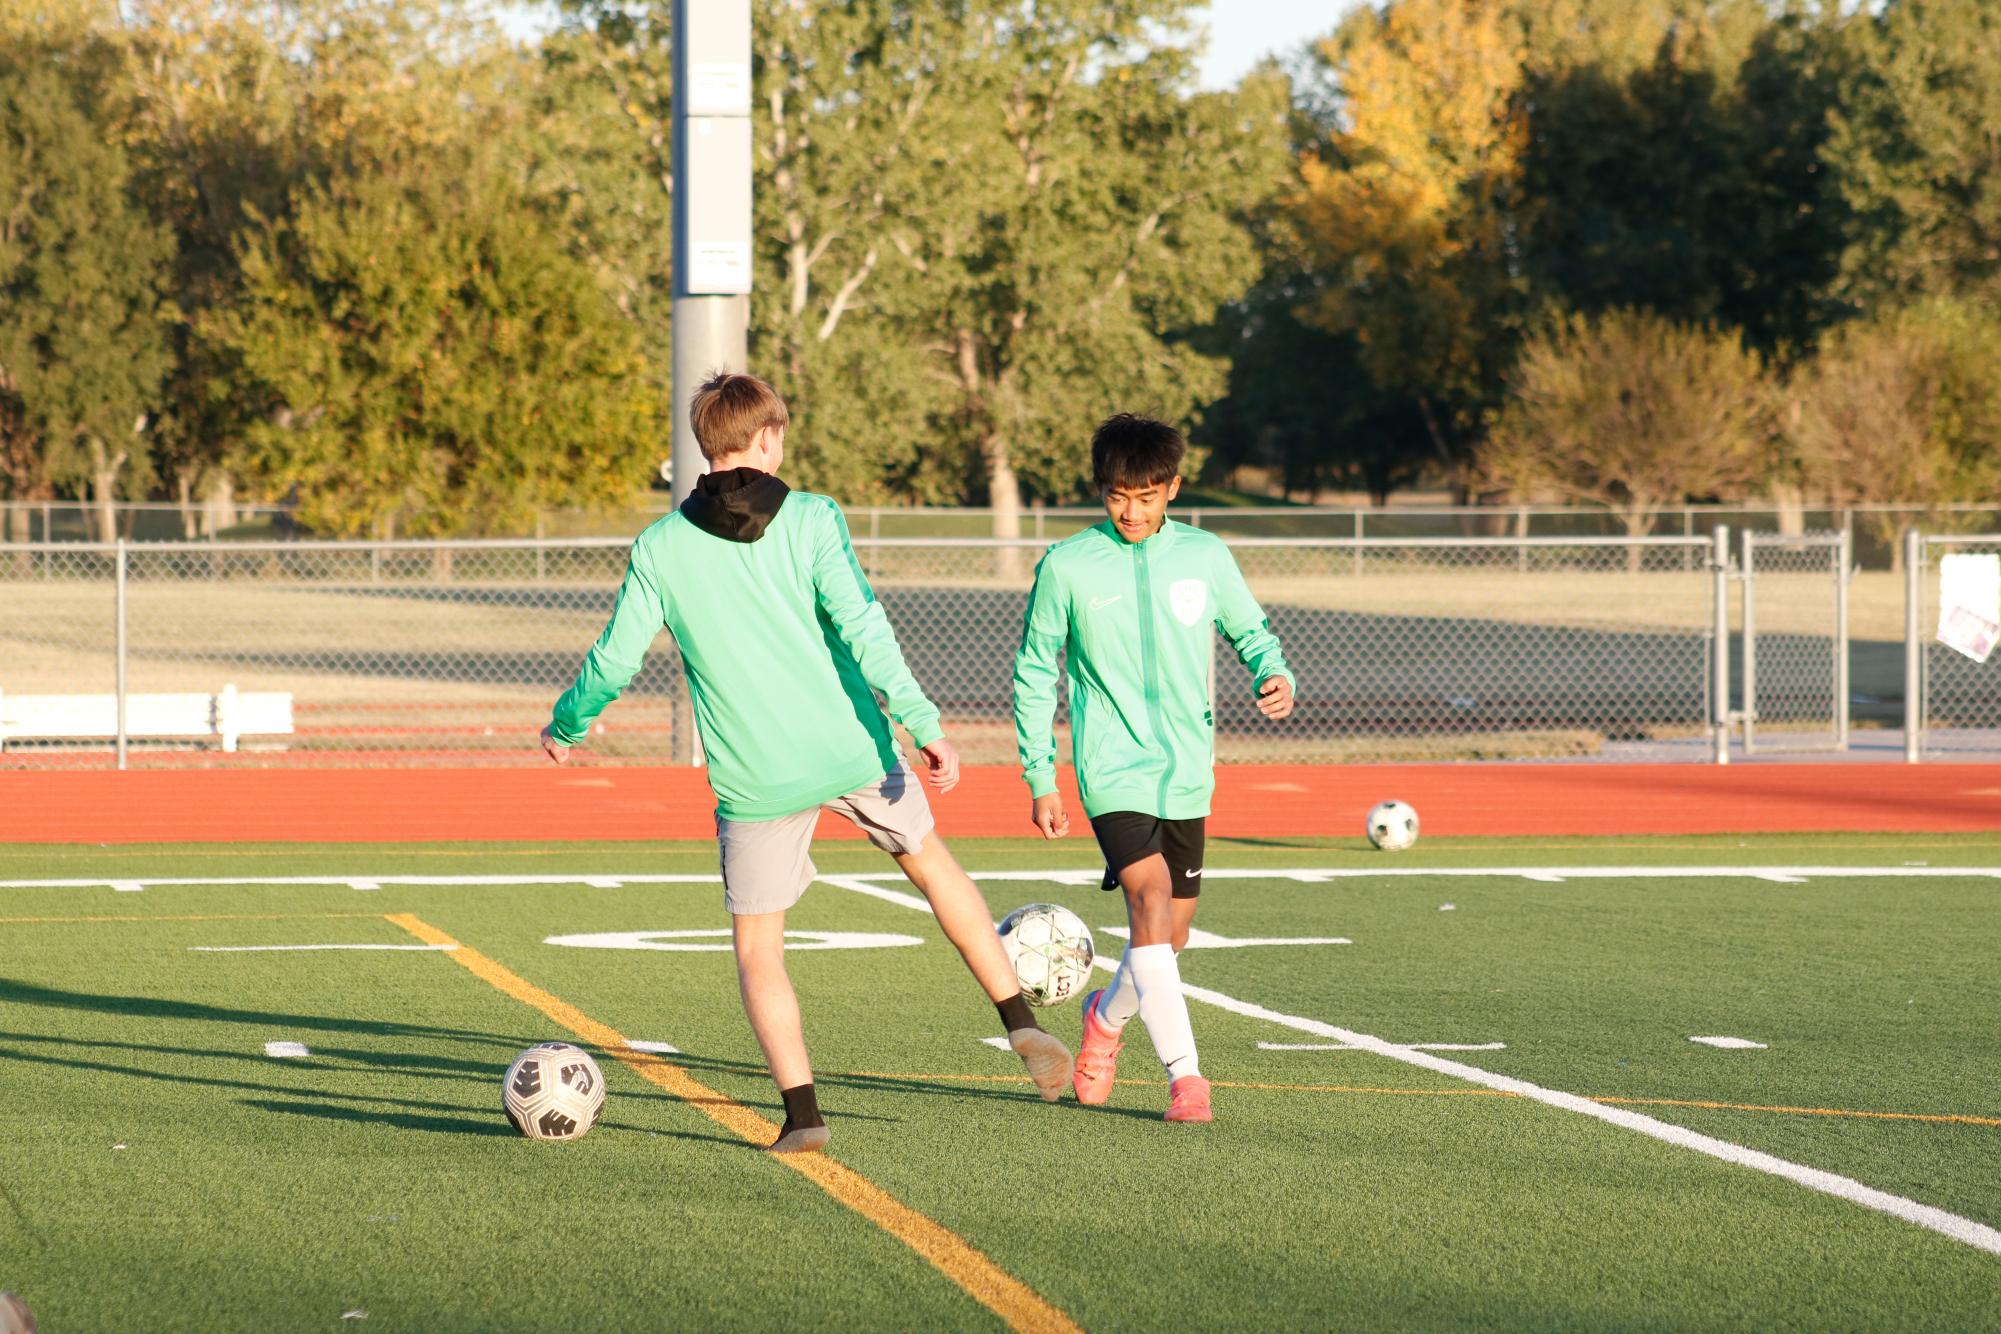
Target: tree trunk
x=1004, y=494
x=19, y=529
x=1791, y=505
x=218, y=504
x=1639, y=522
x=104, y=469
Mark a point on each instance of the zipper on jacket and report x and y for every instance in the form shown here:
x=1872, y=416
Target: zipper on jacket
x=1149, y=666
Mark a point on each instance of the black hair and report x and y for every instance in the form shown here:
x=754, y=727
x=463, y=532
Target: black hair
x=1129, y=451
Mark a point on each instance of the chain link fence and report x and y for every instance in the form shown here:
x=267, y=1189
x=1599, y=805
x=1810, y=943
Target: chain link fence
x=1795, y=637
x=451, y=653
x=1874, y=529
x=1960, y=698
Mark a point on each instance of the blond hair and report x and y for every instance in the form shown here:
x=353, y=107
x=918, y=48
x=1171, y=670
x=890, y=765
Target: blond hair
x=730, y=409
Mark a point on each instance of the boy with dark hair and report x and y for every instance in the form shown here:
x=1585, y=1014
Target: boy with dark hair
x=1130, y=603
x=785, y=649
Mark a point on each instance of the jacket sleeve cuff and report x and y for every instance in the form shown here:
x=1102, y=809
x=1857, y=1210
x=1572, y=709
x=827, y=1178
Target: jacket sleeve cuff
x=926, y=731
x=1041, y=782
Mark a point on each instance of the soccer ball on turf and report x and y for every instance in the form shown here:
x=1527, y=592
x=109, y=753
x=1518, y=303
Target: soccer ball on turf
x=1051, y=950
x=554, y=1090
x=1392, y=825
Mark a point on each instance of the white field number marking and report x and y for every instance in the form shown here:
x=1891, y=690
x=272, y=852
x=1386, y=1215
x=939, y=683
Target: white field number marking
x=286, y=1049
x=1733, y=1043
x=718, y=940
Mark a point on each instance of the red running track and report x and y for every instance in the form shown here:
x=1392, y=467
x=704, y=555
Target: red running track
x=1252, y=801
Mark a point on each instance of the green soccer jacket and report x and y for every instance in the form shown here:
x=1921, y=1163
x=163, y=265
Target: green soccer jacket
x=782, y=640
x=1134, y=619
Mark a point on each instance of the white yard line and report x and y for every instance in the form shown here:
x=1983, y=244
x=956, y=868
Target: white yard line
x=1966, y=1230
x=1785, y=875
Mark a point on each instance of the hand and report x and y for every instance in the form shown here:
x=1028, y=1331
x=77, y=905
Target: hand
x=1275, y=697
x=1049, y=816
x=557, y=751
x=941, y=763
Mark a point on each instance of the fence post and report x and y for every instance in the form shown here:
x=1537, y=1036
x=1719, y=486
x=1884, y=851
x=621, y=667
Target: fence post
x=541, y=552
x=1748, y=576
x=1720, y=564
x=1358, y=543
x=1914, y=674
x=118, y=604
x=1844, y=555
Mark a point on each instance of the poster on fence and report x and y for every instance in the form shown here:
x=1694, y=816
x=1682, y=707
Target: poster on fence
x=1969, y=604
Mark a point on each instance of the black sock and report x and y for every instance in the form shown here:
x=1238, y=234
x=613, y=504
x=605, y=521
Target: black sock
x=802, y=1109
x=1014, y=1013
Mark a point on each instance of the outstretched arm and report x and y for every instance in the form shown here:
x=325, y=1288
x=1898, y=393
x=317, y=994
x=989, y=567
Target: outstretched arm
x=1244, y=624
x=613, y=661
x=850, y=607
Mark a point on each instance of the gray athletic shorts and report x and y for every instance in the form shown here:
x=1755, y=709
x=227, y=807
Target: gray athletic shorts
x=767, y=863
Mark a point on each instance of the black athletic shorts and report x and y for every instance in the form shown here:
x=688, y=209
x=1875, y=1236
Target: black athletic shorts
x=1126, y=837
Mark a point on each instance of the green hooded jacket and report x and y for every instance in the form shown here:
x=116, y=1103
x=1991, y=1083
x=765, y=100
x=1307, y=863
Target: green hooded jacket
x=1133, y=620
x=782, y=640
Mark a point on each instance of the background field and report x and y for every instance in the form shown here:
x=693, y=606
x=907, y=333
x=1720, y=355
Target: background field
x=1337, y=1187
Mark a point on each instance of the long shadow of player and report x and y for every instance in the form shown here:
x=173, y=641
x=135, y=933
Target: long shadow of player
x=13, y=992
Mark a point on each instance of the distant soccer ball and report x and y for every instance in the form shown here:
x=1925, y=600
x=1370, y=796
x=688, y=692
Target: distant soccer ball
x=1392, y=825
x=1051, y=949
x=553, y=1091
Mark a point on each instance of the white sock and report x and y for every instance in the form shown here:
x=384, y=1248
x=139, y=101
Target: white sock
x=1157, y=978
x=1121, y=999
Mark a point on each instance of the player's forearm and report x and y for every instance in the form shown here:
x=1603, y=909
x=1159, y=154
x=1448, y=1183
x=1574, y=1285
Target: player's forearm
x=598, y=683
x=866, y=630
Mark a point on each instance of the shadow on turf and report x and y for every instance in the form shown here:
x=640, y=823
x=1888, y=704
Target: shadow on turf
x=899, y=1084
x=13, y=992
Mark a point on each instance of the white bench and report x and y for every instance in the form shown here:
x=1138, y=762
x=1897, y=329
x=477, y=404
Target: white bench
x=229, y=715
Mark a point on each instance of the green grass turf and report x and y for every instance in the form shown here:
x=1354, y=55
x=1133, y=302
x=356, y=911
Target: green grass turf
x=378, y=1175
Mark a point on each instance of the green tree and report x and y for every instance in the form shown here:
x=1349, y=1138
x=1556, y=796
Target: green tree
x=425, y=355
x=980, y=228
x=1633, y=411
x=1919, y=138
x=1901, y=408
x=82, y=270
x=229, y=109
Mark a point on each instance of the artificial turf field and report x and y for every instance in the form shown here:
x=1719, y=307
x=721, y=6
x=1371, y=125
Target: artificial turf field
x=163, y=1172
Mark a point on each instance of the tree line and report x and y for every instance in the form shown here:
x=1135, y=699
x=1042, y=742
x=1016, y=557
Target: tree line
x=375, y=259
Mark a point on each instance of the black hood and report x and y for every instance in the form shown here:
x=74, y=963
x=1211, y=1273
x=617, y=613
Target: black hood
x=736, y=505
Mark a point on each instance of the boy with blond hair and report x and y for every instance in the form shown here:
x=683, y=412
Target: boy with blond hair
x=785, y=650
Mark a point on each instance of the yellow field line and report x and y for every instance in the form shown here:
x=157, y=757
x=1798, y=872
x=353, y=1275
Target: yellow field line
x=1945, y=1117
x=192, y=917
x=1810, y=1111
x=983, y=1280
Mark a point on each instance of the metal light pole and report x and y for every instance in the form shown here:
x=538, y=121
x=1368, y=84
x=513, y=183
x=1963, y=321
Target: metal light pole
x=711, y=206
x=712, y=221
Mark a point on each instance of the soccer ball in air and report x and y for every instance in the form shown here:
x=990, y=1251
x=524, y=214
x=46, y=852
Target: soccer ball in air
x=554, y=1090
x=1392, y=825
x=1051, y=950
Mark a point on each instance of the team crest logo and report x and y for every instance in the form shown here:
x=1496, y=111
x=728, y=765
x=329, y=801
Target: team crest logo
x=1188, y=599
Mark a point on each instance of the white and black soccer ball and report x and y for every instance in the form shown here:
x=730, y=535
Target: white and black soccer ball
x=1051, y=950
x=554, y=1090
x=1392, y=825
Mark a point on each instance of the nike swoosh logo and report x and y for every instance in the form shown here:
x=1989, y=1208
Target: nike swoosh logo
x=1190, y=875
x=1099, y=604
